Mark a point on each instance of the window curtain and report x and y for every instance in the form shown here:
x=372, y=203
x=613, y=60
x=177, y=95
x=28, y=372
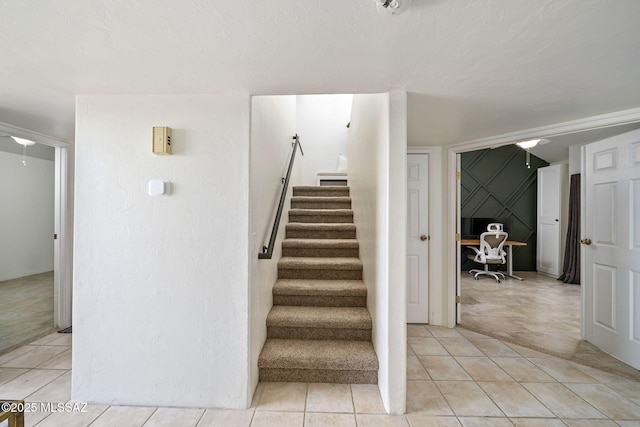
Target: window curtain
x=571, y=267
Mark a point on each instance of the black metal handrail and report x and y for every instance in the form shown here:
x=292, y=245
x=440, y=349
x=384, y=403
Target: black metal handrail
x=267, y=251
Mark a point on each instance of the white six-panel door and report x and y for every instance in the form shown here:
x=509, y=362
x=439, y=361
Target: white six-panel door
x=417, y=238
x=551, y=224
x=611, y=246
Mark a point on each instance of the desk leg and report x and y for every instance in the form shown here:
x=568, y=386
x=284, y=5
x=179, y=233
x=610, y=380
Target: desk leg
x=510, y=264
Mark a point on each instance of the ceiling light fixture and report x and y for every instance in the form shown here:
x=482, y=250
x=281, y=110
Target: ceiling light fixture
x=392, y=7
x=529, y=144
x=25, y=143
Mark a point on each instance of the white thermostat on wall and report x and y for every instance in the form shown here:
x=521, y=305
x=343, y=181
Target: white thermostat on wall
x=161, y=140
x=158, y=187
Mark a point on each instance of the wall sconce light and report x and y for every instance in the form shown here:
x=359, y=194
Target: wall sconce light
x=25, y=143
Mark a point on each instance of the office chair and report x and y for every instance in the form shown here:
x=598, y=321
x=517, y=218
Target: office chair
x=490, y=252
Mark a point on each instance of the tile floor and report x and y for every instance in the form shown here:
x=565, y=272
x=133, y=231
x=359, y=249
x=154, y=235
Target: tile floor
x=539, y=312
x=455, y=378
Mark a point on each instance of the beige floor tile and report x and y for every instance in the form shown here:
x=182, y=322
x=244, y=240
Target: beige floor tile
x=15, y=353
x=537, y=422
x=604, y=377
x=494, y=347
x=417, y=331
x=368, y=420
x=277, y=419
x=467, y=399
x=561, y=401
x=313, y=419
x=73, y=419
x=423, y=346
x=28, y=383
x=514, y=400
x=629, y=390
x=33, y=418
x=226, y=418
x=483, y=369
x=62, y=339
x=124, y=416
x=485, y=422
x=421, y=420
x=170, y=417
x=58, y=390
x=7, y=374
x=590, y=423
x=62, y=361
x=522, y=370
x=257, y=395
x=366, y=399
x=424, y=397
x=36, y=357
x=562, y=370
x=460, y=347
x=628, y=423
x=444, y=368
x=470, y=334
x=415, y=370
x=283, y=397
x=440, y=331
x=527, y=352
x=607, y=401
x=329, y=398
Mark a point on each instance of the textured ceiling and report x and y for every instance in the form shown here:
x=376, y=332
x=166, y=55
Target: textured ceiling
x=473, y=68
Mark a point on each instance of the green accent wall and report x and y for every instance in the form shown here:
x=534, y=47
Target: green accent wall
x=495, y=183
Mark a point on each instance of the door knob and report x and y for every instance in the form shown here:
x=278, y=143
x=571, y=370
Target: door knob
x=585, y=241
x=424, y=237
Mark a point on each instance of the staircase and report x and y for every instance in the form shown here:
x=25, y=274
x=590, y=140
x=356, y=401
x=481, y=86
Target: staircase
x=319, y=329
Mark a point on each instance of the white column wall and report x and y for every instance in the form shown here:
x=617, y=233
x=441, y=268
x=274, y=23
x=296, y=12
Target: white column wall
x=26, y=216
x=161, y=282
x=273, y=124
x=377, y=146
x=322, y=125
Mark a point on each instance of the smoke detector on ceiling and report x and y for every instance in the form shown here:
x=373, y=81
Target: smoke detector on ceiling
x=392, y=7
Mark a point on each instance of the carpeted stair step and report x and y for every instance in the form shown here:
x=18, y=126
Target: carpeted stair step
x=318, y=361
x=327, y=293
x=305, y=202
x=320, y=231
x=325, y=191
x=346, y=248
x=319, y=323
x=321, y=215
x=320, y=268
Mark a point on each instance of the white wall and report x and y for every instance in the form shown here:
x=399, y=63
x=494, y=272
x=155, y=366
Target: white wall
x=322, y=126
x=26, y=216
x=161, y=283
x=575, y=159
x=377, y=146
x=273, y=120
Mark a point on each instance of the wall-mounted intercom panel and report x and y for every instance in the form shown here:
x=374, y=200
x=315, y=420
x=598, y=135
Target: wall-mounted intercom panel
x=161, y=140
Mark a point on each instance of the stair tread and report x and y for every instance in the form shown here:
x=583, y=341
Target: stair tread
x=321, y=187
x=320, y=287
x=320, y=226
x=312, y=263
x=320, y=243
x=318, y=354
x=330, y=212
x=320, y=199
x=319, y=317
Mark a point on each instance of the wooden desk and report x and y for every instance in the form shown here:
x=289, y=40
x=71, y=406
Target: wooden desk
x=509, y=244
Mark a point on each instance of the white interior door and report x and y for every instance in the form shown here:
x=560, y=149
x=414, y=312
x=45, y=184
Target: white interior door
x=417, y=238
x=611, y=246
x=549, y=212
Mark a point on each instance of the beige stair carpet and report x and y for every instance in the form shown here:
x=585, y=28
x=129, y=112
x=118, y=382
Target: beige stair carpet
x=319, y=329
